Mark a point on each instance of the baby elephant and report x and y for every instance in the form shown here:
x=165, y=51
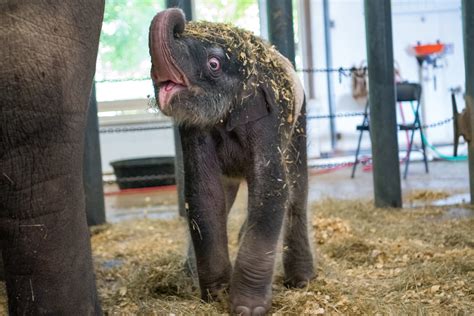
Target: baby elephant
x=241, y=114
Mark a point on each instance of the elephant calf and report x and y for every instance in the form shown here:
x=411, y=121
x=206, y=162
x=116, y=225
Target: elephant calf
x=241, y=114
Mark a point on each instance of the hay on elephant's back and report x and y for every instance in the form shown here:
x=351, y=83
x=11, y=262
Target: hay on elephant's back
x=258, y=58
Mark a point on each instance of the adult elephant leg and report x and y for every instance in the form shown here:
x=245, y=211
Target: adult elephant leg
x=47, y=62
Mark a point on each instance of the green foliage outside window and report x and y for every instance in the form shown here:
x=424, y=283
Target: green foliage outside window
x=123, y=50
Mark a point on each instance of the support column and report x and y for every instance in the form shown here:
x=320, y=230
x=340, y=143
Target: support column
x=468, y=33
x=305, y=23
x=280, y=27
x=329, y=65
x=383, y=122
x=187, y=7
x=93, y=187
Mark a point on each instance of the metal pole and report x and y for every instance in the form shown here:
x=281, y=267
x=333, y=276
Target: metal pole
x=280, y=27
x=307, y=46
x=383, y=122
x=468, y=32
x=262, y=14
x=328, y=50
x=187, y=7
x=92, y=171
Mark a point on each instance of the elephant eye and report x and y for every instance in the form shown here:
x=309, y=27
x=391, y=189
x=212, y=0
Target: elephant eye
x=214, y=64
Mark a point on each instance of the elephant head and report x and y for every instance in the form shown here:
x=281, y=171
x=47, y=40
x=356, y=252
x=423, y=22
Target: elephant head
x=206, y=73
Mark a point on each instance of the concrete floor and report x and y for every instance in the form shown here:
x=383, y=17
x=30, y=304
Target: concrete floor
x=451, y=177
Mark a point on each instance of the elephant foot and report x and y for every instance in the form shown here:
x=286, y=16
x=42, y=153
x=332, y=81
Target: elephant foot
x=216, y=290
x=252, y=302
x=298, y=276
x=249, y=306
x=215, y=294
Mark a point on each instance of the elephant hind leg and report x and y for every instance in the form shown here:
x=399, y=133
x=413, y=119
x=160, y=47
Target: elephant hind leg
x=297, y=257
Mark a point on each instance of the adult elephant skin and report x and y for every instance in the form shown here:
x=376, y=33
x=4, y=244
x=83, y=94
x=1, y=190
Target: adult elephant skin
x=241, y=112
x=47, y=62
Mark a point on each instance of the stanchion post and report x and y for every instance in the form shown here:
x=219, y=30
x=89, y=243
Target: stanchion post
x=187, y=7
x=280, y=27
x=468, y=34
x=92, y=172
x=383, y=124
x=329, y=75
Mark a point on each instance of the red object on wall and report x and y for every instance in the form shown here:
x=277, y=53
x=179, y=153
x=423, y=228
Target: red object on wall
x=428, y=49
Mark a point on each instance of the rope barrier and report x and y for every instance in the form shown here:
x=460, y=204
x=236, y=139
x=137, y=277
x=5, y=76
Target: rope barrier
x=126, y=129
x=342, y=71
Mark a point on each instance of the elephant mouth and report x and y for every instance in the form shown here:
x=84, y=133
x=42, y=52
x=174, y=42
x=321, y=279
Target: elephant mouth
x=167, y=90
x=168, y=76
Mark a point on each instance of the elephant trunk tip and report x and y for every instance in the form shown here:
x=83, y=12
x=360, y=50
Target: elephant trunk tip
x=168, y=23
x=164, y=31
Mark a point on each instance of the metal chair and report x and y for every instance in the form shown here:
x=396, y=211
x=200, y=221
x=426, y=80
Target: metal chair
x=407, y=93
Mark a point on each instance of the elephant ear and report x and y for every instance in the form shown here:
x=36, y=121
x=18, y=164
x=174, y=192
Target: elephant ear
x=253, y=107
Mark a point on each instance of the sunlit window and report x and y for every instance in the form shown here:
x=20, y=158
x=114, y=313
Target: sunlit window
x=123, y=63
x=244, y=14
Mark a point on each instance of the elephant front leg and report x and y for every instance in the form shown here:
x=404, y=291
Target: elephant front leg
x=207, y=219
x=251, y=286
x=45, y=238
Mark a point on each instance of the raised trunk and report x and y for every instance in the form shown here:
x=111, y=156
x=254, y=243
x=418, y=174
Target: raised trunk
x=165, y=28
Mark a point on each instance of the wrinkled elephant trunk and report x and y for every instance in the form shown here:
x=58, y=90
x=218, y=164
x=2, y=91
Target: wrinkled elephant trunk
x=164, y=31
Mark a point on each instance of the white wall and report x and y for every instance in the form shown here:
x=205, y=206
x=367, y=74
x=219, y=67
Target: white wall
x=413, y=20
x=135, y=145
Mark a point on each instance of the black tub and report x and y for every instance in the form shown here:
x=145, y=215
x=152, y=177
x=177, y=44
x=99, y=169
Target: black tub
x=144, y=172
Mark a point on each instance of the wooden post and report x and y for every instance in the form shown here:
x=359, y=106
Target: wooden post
x=186, y=6
x=280, y=27
x=92, y=173
x=383, y=120
x=468, y=33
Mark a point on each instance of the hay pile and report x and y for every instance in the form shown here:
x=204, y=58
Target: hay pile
x=370, y=261
x=426, y=195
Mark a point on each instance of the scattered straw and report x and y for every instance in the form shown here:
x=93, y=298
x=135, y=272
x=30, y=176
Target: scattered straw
x=426, y=195
x=370, y=261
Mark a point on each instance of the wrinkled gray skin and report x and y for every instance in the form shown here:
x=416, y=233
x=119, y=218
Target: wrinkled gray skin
x=227, y=135
x=47, y=62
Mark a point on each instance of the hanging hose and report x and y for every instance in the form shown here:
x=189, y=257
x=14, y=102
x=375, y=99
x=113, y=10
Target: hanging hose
x=407, y=134
x=441, y=155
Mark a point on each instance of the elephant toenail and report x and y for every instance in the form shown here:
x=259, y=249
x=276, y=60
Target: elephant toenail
x=242, y=310
x=258, y=311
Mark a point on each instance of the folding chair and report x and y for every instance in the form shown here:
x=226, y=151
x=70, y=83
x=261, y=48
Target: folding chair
x=407, y=93
x=362, y=127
